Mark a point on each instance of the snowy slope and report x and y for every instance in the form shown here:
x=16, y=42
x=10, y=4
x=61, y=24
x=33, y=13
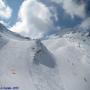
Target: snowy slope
x=27, y=64
x=72, y=52
x=60, y=63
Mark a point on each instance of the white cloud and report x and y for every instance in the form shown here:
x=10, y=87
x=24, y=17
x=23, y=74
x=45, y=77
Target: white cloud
x=85, y=24
x=34, y=19
x=5, y=10
x=72, y=8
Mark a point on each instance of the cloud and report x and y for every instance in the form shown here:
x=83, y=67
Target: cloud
x=5, y=10
x=85, y=24
x=34, y=19
x=72, y=8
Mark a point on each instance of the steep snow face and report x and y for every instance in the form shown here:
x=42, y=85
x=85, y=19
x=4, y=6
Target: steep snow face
x=72, y=55
x=27, y=65
x=43, y=71
x=43, y=56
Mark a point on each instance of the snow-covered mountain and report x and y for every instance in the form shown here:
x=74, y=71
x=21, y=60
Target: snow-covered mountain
x=60, y=63
x=9, y=34
x=72, y=53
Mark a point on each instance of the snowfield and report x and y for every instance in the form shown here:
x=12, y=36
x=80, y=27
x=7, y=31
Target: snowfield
x=72, y=56
x=61, y=63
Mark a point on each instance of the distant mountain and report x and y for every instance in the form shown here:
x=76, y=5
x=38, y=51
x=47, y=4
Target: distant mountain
x=74, y=30
x=9, y=34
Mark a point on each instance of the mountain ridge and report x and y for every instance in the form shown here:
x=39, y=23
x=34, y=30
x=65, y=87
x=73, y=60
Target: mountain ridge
x=10, y=34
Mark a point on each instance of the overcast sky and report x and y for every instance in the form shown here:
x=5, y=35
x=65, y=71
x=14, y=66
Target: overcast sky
x=37, y=18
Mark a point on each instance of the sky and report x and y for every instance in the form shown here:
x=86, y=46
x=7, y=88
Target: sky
x=39, y=18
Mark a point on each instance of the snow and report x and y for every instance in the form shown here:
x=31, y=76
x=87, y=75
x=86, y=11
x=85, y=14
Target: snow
x=72, y=59
x=9, y=34
x=60, y=63
x=27, y=64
